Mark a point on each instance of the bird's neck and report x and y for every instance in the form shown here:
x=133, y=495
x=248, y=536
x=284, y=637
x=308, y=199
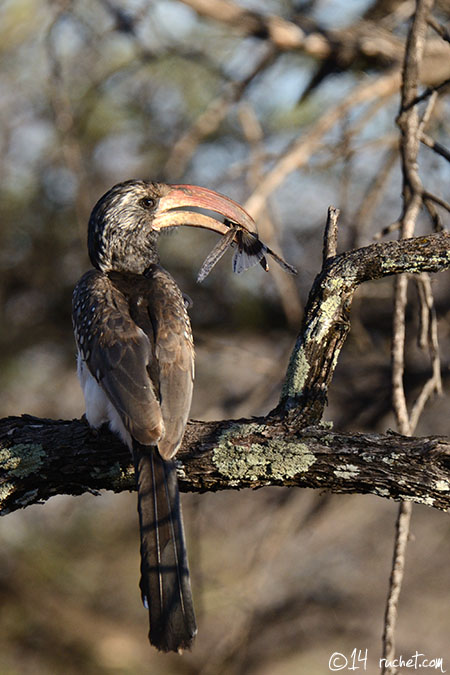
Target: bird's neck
x=132, y=255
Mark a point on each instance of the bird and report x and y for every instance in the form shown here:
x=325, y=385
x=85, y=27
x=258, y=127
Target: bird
x=135, y=363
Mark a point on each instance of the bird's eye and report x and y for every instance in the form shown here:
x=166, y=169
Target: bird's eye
x=147, y=202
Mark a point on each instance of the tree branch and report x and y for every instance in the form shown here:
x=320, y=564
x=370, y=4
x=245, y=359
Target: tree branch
x=326, y=322
x=40, y=458
x=367, y=42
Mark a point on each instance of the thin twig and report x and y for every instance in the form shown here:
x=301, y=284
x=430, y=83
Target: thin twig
x=392, y=227
x=427, y=114
x=429, y=91
x=373, y=194
x=395, y=584
x=439, y=28
x=398, y=355
x=330, y=235
x=428, y=339
x=405, y=509
x=434, y=215
x=411, y=129
x=438, y=200
x=434, y=145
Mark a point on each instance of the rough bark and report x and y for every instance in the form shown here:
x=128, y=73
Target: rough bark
x=40, y=458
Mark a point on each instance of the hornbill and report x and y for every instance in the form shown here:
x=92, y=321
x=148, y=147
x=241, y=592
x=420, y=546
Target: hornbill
x=136, y=365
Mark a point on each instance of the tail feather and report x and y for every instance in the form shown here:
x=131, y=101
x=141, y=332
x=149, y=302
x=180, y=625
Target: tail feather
x=250, y=250
x=165, y=583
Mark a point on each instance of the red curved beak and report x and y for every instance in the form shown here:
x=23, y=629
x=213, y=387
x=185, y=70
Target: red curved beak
x=174, y=205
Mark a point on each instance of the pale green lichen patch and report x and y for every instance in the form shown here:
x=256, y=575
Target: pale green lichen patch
x=268, y=460
x=119, y=476
x=328, y=309
x=297, y=375
x=347, y=471
x=368, y=457
x=22, y=459
x=387, y=460
x=8, y=461
x=326, y=424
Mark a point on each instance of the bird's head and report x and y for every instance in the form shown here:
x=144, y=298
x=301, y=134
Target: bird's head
x=125, y=222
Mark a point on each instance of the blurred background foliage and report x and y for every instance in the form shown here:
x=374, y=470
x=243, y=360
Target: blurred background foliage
x=95, y=92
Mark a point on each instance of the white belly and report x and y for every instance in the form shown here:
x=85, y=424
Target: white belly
x=99, y=409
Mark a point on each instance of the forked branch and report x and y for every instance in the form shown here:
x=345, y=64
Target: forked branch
x=40, y=458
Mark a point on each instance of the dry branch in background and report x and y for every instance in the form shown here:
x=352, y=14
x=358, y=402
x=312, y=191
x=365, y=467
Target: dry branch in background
x=208, y=122
x=268, y=230
x=300, y=152
x=368, y=40
x=411, y=130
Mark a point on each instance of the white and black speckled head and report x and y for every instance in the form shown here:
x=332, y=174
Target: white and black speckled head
x=120, y=235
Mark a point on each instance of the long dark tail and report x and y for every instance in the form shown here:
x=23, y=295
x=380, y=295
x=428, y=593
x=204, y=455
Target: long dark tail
x=165, y=584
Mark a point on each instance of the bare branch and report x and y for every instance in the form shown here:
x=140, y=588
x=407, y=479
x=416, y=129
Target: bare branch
x=395, y=583
x=441, y=202
x=439, y=28
x=210, y=119
x=372, y=196
x=430, y=91
x=331, y=233
x=369, y=41
x=437, y=147
x=411, y=129
x=398, y=355
x=282, y=33
x=326, y=322
x=300, y=152
x=40, y=458
x=428, y=339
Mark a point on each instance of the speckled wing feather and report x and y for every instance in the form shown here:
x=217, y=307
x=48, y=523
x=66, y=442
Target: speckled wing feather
x=118, y=354
x=174, y=353
x=134, y=334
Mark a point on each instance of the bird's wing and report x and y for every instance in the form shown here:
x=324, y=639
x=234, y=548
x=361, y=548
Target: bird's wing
x=174, y=353
x=118, y=354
